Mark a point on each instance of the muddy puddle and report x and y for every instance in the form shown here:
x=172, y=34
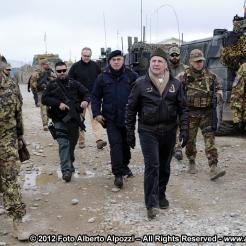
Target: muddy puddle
x=36, y=178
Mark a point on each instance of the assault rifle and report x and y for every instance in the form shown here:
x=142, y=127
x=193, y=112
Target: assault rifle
x=72, y=113
x=42, y=82
x=214, y=107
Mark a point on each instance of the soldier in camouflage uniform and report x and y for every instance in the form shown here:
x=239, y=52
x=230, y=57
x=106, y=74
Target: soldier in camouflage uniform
x=198, y=83
x=238, y=99
x=176, y=67
x=38, y=82
x=11, y=134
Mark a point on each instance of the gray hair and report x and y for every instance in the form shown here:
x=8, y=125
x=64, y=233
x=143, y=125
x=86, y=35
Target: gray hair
x=86, y=48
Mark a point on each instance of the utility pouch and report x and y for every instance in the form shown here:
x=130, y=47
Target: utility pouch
x=52, y=129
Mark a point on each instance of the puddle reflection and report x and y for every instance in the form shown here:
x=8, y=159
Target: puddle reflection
x=36, y=178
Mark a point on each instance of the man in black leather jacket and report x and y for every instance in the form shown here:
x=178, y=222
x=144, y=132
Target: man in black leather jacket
x=63, y=95
x=159, y=100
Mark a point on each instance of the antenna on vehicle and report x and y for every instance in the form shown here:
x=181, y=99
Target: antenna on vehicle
x=105, y=36
x=244, y=6
x=141, y=20
x=45, y=43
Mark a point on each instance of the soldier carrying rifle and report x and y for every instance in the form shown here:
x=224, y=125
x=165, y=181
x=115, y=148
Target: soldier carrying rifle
x=66, y=99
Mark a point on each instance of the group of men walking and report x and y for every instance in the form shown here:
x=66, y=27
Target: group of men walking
x=170, y=96
x=162, y=102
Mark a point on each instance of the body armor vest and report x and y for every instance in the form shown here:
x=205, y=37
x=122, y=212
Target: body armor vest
x=198, y=88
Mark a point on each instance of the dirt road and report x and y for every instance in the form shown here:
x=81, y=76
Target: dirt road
x=89, y=206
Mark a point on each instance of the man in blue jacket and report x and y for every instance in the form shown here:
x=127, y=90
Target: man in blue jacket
x=109, y=99
x=159, y=101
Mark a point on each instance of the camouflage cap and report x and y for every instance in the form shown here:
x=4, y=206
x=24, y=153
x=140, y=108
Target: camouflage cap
x=196, y=55
x=43, y=61
x=174, y=50
x=159, y=52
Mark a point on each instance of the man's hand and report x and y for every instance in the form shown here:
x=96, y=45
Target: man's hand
x=100, y=119
x=183, y=137
x=131, y=140
x=63, y=107
x=84, y=104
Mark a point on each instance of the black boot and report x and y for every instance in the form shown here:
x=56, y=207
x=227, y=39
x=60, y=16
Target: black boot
x=178, y=154
x=118, y=181
x=163, y=202
x=67, y=176
x=151, y=213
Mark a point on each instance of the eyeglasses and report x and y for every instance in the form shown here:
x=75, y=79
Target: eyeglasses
x=61, y=71
x=174, y=55
x=8, y=69
x=199, y=61
x=86, y=56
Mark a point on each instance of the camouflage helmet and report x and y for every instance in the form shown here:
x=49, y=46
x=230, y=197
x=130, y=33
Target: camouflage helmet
x=3, y=62
x=4, y=65
x=43, y=61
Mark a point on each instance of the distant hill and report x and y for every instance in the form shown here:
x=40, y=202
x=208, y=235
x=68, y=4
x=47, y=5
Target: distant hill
x=16, y=64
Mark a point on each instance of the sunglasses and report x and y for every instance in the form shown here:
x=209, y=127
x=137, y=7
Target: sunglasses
x=61, y=71
x=8, y=69
x=174, y=55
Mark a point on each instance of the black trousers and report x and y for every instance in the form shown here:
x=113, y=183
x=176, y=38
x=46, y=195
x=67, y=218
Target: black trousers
x=157, y=148
x=119, y=149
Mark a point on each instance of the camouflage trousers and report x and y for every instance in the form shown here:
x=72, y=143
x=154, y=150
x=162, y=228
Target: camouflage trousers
x=239, y=116
x=201, y=119
x=43, y=110
x=178, y=144
x=9, y=170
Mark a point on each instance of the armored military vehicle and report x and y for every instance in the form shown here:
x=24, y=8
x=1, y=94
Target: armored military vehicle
x=223, y=52
x=139, y=54
x=102, y=61
x=52, y=58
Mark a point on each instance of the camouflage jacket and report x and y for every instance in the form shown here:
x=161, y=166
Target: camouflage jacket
x=198, y=86
x=36, y=81
x=238, y=96
x=10, y=106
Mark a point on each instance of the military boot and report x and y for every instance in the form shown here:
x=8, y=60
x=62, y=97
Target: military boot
x=45, y=128
x=151, y=213
x=216, y=172
x=163, y=202
x=19, y=232
x=100, y=144
x=178, y=154
x=118, y=181
x=192, y=167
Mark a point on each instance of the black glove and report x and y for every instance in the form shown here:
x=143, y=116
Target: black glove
x=131, y=140
x=183, y=137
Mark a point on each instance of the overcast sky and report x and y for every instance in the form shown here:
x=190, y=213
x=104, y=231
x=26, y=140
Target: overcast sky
x=72, y=24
